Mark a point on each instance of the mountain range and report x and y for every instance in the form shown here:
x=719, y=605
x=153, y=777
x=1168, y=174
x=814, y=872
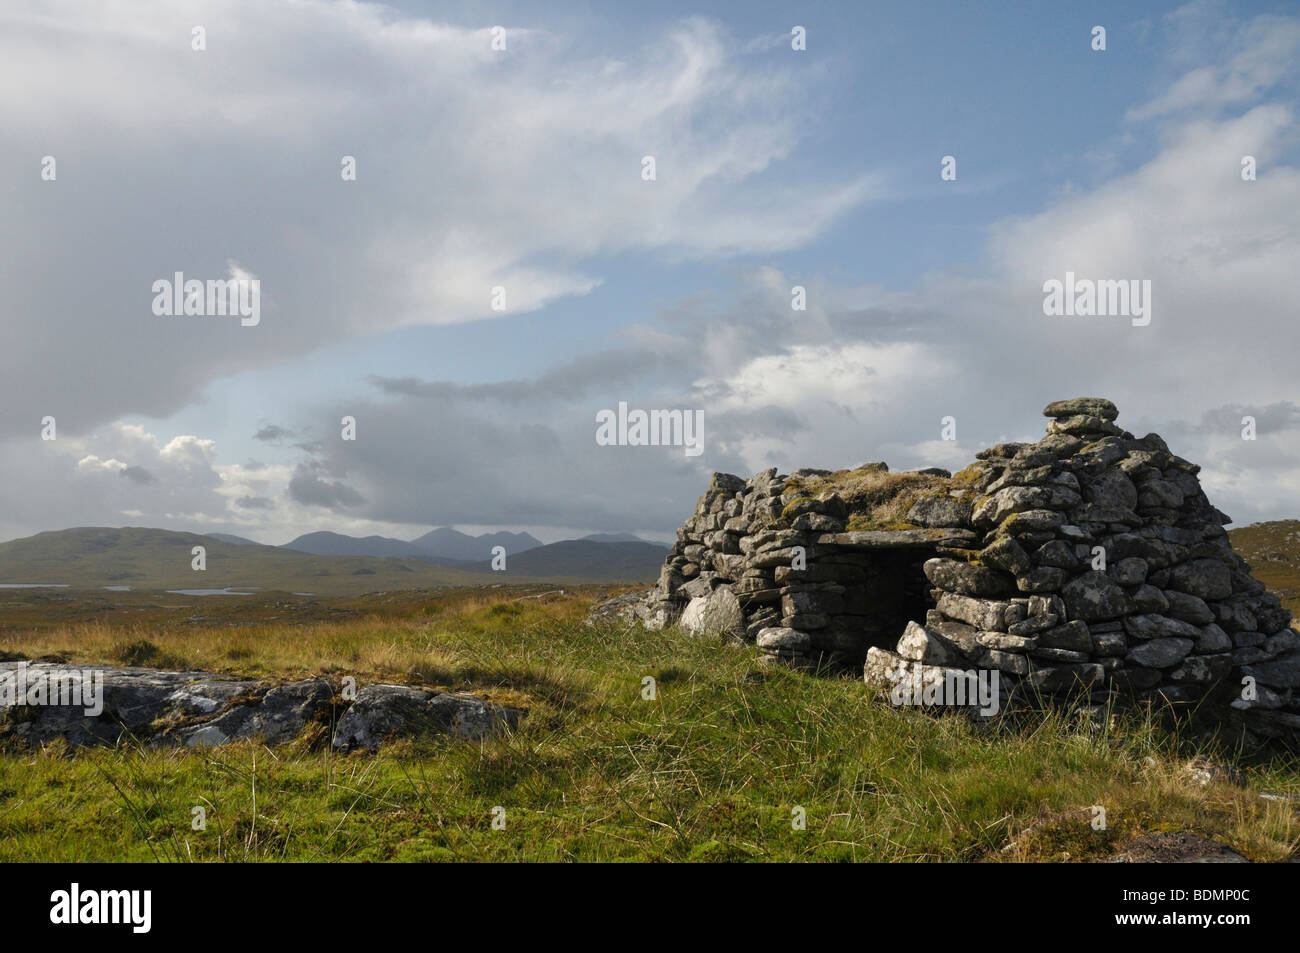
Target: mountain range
x=321, y=563
x=437, y=545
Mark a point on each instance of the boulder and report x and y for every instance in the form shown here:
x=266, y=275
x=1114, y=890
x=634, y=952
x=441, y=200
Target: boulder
x=383, y=712
x=1091, y=406
x=718, y=613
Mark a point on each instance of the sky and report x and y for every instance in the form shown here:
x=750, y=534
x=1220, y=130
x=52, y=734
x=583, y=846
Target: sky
x=480, y=168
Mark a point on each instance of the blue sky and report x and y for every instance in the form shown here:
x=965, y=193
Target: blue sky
x=775, y=168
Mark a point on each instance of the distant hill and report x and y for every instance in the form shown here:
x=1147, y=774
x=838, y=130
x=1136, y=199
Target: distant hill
x=446, y=543
x=235, y=540
x=615, y=538
x=1273, y=551
x=586, y=559
x=337, y=544
x=90, y=557
x=444, y=546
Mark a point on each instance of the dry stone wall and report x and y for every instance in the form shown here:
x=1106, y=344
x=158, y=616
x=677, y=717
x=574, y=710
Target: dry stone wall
x=1086, y=564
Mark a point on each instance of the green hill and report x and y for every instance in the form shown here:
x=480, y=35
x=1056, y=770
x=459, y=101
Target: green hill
x=88, y=557
x=1273, y=551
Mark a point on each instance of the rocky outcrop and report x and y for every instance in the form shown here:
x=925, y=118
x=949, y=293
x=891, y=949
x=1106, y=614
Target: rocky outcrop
x=1085, y=564
x=96, y=705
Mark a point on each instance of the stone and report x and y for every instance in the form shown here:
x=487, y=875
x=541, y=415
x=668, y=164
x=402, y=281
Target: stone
x=1207, y=578
x=1005, y=642
x=1153, y=626
x=382, y=712
x=1213, y=639
x=1009, y=662
x=1109, y=644
x=1025, y=522
x=965, y=578
x=1082, y=425
x=201, y=709
x=718, y=613
x=1202, y=669
x=1149, y=599
x=921, y=645
x=1131, y=571
x=1043, y=579
x=281, y=714
x=1033, y=624
x=1008, y=555
x=783, y=640
x=1159, y=653
x=1072, y=635
x=934, y=511
x=1189, y=608
x=1065, y=678
x=1058, y=554
x=1091, y=406
x=1283, y=673
x=1112, y=490
x=981, y=613
x=1094, y=597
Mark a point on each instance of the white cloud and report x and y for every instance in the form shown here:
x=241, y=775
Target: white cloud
x=474, y=169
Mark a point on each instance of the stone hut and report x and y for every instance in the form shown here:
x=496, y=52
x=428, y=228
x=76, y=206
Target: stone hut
x=1086, y=564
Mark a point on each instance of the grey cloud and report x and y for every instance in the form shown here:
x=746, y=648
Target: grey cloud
x=307, y=486
x=139, y=475
x=569, y=381
x=273, y=433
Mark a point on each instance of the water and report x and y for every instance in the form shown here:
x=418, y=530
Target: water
x=118, y=588
x=228, y=591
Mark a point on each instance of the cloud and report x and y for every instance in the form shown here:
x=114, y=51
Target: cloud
x=308, y=486
x=272, y=433
x=475, y=170
x=869, y=371
x=139, y=475
x=1252, y=57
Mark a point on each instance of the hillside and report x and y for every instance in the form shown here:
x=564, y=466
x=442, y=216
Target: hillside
x=1273, y=551
x=709, y=770
x=443, y=545
x=447, y=543
x=92, y=557
x=89, y=557
x=585, y=559
x=337, y=544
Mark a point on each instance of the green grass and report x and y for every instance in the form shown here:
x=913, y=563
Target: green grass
x=710, y=770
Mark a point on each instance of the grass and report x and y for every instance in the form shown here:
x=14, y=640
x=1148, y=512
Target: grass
x=711, y=769
x=876, y=499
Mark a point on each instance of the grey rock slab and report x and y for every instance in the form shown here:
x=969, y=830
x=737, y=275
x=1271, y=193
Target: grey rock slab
x=965, y=578
x=1094, y=597
x=383, y=712
x=1091, y=406
x=1159, y=653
